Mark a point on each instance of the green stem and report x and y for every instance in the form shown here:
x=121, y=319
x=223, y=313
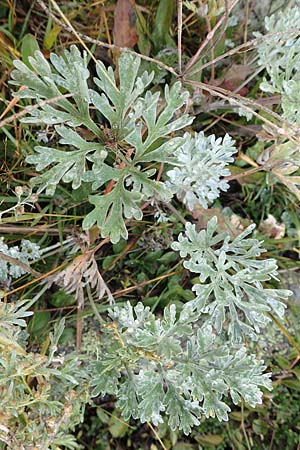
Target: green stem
x=93, y=305
x=286, y=333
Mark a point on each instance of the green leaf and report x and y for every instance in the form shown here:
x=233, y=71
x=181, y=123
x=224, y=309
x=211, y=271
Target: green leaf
x=38, y=324
x=150, y=389
x=212, y=440
x=184, y=446
x=110, y=210
x=163, y=19
x=28, y=47
x=183, y=414
x=292, y=384
x=106, y=380
x=46, y=81
x=260, y=427
x=158, y=127
x=117, y=428
x=115, y=102
x=127, y=399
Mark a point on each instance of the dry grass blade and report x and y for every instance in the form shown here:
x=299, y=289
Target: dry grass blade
x=210, y=36
x=287, y=130
x=28, y=109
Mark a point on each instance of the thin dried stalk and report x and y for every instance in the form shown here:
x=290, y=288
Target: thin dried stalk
x=179, y=35
x=210, y=36
x=16, y=262
x=28, y=109
x=287, y=130
x=66, y=25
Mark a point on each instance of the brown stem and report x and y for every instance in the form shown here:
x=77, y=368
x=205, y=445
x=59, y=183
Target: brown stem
x=97, y=42
x=209, y=37
x=179, y=35
x=16, y=262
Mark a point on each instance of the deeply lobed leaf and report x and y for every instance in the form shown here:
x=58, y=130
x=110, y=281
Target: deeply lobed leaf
x=230, y=279
x=164, y=366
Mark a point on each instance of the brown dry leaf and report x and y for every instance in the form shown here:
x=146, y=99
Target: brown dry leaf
x=271, y=228
x=238, y=72
x=82, y=271
x=233, y=225
x=7, y=47
x=125, y=33
x=283, y=160
x=234, y=77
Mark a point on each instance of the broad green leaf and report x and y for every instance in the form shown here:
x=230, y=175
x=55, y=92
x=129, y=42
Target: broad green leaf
x=161, y=31
x=28, y=47
x=111, y=210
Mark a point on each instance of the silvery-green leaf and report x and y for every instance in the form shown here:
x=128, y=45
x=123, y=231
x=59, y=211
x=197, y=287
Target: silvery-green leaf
x=201, y=167
x=279, y=54
x=111, y=210
x=230, y=278
x=67, y=73
x=161, y=369
x=68, y=166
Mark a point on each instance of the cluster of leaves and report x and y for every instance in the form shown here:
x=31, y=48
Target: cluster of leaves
x=203, y=161
x=230, y=279
x=125, y=153
x=41, y=398
x=279, y=54
x=168, y=365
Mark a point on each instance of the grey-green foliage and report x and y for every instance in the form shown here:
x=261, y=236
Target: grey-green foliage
x=28, y=251
x=41, y=397
x=231, y=279
x=125, y=153
x=173, y=367
x=280, y=55
x=182, y=366
x=201, y=167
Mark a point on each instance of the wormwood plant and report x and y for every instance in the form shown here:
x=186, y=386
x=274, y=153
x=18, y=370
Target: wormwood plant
x=41, y=397
x=281, y=58
x=124, y=153
x=113, y=135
